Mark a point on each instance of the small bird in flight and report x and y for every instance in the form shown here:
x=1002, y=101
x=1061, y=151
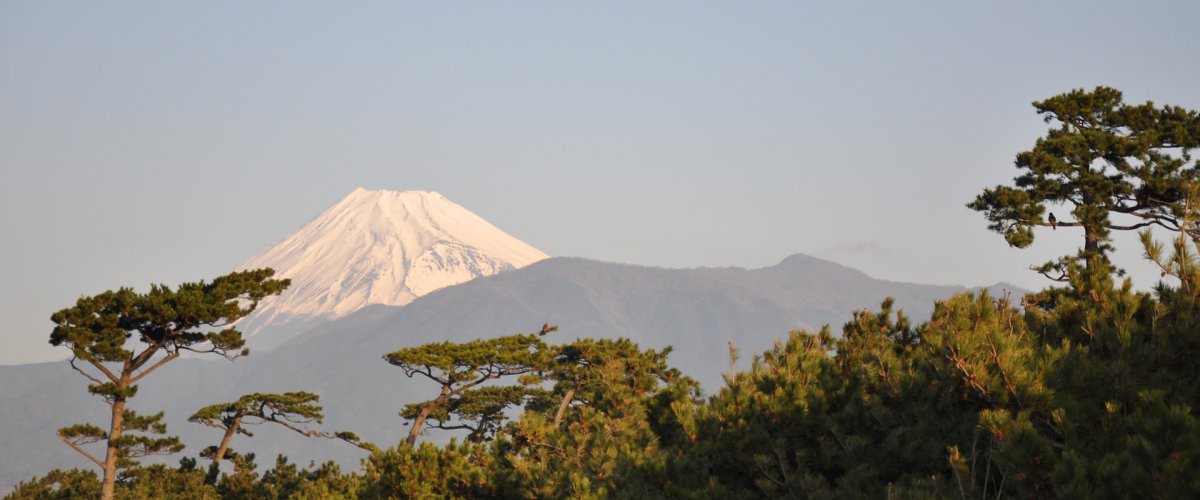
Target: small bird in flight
x=1053, y=221
x=546, y=328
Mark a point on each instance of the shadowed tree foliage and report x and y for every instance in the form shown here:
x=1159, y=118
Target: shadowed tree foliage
x=58, y=485
x=193, y=317
x=152, y=482
x=160, y=482
x=460, y=368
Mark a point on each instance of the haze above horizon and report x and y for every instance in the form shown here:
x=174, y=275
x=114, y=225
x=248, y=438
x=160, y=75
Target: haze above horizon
x=150, y=142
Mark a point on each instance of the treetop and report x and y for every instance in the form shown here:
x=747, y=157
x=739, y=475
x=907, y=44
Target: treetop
x=97, y=327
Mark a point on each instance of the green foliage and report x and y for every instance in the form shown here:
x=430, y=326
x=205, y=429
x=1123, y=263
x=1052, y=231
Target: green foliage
x=96, y=328
x=129, y=447
x=480, y=410
x=454, y=363
x=158, y=481
x=81, y=434
x=288, y=408
x=1091, y=398
x=428, y=471
x=58, y=484
x=286, y=481
x=135, y=446
x=1105, y=158
x=459, y=369
x=586, y=371
x=242, y=482
x=141, y=483
x=620, y=436
x=292, y=410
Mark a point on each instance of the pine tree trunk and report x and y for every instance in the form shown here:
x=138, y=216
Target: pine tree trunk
x=562, y=407
x=220, y=453
x=111, y=455
x=1092, y=256
x=420, y=420
x=1091, y=243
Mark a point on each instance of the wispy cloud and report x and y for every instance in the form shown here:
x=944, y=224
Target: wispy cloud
x=857, y=247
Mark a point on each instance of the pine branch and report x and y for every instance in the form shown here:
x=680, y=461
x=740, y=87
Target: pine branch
x=86, y=374
x=143, y=373
x=83, y=452
x=143, y=357
x=99, y=366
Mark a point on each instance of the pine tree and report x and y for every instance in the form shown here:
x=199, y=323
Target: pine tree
x=194, y=317
x=459, y=369
x=1106, y=158
x=480, y=410
x=612, y=428
x=292, y=410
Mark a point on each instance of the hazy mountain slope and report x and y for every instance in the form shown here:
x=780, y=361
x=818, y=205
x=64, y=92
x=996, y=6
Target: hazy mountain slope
x=377, y=247
x=696, y=310
x=38, y=399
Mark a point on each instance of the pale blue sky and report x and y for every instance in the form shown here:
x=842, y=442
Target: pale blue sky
x=158, y=141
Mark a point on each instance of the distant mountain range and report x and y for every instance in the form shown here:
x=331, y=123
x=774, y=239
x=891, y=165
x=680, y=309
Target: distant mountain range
x=339, y=355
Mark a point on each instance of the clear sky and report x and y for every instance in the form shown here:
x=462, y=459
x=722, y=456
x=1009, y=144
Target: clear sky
x=163, y=142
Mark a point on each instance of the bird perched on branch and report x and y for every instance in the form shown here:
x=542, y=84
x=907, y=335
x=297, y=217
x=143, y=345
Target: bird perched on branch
x=1053, y=221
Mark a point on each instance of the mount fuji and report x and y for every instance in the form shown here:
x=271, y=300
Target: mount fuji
x=376, y=247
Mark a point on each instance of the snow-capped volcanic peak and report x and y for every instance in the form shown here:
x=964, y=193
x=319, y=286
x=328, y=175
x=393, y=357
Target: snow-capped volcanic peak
x=381, y=247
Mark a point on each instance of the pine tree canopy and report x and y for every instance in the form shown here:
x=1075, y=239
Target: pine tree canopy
x=1104, y=159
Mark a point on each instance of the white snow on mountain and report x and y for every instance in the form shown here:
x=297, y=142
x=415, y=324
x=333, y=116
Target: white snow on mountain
x=380, y=247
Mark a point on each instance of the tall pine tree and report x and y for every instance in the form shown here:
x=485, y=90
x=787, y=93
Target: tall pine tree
x=194, y=317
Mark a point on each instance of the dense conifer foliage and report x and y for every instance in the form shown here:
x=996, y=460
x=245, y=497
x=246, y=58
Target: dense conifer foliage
x=1087, y=390
x=1112, y=165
